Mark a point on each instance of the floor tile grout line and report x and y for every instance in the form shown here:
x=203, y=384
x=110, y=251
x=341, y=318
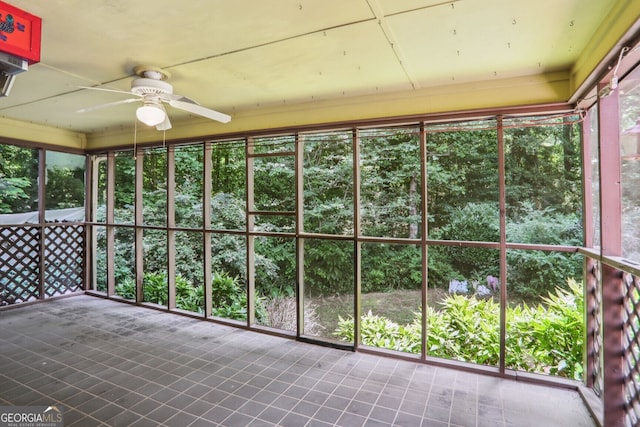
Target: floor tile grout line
x=355, y=371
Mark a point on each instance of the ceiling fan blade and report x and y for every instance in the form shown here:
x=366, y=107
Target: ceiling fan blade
x=109, y=104
x=106, y=90
x=200, y=110
x=166, y=125
x=168, y=97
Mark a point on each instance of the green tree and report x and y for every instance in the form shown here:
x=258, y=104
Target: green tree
x=65, y=188
x=390, y=175
x=18, y=179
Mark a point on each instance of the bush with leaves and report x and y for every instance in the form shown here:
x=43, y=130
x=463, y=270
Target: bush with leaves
x=546, y=338
x=531, y=273
x=229, y=299
x=549, y=337
x=472, y=222
x=387, y=267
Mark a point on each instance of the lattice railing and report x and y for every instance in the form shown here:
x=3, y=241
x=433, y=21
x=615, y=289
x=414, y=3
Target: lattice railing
x=19, y=264
x=593, y=300
x=612, y=296
x=631, y=346
x=64, y=260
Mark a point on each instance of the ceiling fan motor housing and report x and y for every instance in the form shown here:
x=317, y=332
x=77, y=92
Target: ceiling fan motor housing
x=145, y=86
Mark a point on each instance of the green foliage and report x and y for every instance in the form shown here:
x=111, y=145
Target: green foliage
x=65, y=188
x=388, y=267
x=390, y=174
x=125, y=182
x=327, y=267
x=471, y=327
x=531, y=273
x=543, y=165
x=379, y=331
x=274, y=181
x=472, y=222
x=228, y=298
x=126, y=288
x=549, y=337
x=546, y=338
x=12, y=190
x=462, y=168
x=155, y=288
x=544, y=226
x=440, y=269
x=275, y=266
x=188, y=296
x=18, y=179
x=534, y=273
x=462, y=175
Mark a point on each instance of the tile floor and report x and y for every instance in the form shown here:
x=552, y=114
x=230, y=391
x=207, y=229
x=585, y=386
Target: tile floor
x=113, y=364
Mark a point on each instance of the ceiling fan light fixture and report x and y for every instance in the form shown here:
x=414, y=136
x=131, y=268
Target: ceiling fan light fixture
x=151, y=114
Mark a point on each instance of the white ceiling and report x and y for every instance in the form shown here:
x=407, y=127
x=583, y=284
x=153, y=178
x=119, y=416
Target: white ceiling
x=244, y=56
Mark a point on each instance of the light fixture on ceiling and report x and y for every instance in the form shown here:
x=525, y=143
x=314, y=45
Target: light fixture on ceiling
x=151, y=114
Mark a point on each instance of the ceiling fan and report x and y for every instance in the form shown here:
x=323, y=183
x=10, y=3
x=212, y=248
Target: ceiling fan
x=152, y=90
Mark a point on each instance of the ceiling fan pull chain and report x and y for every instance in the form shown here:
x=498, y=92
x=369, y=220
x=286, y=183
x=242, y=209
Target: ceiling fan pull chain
x=135, y=138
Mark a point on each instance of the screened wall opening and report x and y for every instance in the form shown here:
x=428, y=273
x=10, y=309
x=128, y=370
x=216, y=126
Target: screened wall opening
x=42, y=212
x=386, y=238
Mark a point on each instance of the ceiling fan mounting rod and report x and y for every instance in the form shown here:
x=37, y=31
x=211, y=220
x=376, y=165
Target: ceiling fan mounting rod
x=154, y=73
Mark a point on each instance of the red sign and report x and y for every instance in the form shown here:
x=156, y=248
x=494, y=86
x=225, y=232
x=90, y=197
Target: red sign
x=20, y=33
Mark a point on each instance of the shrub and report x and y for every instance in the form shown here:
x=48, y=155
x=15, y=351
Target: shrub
x=473, y=222
x=534, y=273
x=550, y=335
x=155, y=288
x=126, y=288
x=547, y=338
x=472, y=325
x=228, y=297
x=531, y=273
x=387, y=267
x=378, y=331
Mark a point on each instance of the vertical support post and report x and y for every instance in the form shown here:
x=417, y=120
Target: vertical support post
x=138, y=230
x=250, y=238
x=299, y=163
x=611, y=244
x=91, y=169
x=423, y=237
x=171, y=224
x=356, y=235
x=111, y=231
x=206, y=225
x=587, y=182
x=42, y=186
x=590, y=282
x=503, y=244
x=610, y=175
